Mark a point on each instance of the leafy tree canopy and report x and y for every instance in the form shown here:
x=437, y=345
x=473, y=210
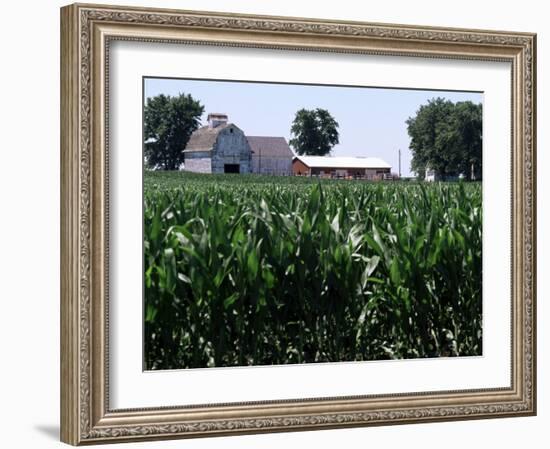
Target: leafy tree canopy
x=169, y=122
x=447, y=137
x=314, y=132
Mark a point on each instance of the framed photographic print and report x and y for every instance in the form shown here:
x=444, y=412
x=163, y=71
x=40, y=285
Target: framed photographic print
x=279, y=224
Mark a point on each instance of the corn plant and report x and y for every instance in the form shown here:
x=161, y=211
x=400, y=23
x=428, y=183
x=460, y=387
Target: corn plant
x=259, y=270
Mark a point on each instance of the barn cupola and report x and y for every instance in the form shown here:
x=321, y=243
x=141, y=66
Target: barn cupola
x=216, y=119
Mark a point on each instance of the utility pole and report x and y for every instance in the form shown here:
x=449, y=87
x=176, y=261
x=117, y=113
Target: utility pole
x=399, y=162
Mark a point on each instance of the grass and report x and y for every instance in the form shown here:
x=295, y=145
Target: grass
x=255, y=270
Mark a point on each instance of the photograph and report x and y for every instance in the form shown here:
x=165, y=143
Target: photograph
x=279, y=221
x=299, y=223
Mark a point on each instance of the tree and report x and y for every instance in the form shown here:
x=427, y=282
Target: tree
x=468, y=138
x=447, y=138
x=169, y=122
x=314, y=132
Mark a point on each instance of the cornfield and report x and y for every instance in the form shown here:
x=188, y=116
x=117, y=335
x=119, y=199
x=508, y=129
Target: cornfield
x=257, y=270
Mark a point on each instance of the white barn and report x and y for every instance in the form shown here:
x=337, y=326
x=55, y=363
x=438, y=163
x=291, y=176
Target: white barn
x=270, y=155
x=222, y=147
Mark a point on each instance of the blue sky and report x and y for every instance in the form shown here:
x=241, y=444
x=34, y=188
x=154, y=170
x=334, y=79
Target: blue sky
x=372, y=120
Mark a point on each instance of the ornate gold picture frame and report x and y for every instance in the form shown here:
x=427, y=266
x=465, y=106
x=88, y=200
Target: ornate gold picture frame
x=87, y=31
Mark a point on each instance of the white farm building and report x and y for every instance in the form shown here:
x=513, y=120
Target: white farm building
x=222, y=147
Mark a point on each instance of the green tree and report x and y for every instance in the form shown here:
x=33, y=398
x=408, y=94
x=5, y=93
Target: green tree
x=447, y=137
x=468, y=138
x=314, y=132
x=169, y=122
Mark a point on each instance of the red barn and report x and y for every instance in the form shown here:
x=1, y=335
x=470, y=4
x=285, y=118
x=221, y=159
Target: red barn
x=341, y=167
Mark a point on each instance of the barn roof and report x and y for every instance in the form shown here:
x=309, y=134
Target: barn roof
x=343, y=162
x=267, y=146
x=204, y=138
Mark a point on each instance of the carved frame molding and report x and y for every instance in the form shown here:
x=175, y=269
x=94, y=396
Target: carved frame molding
x=87, y=31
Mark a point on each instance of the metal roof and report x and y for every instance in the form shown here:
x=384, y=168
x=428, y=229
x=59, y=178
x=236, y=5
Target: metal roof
x=343, y=162
x=204, y=139
x=267, y=146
